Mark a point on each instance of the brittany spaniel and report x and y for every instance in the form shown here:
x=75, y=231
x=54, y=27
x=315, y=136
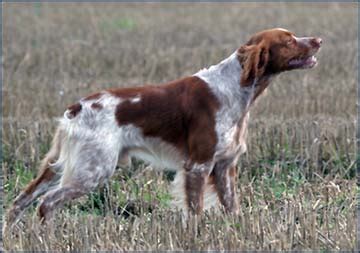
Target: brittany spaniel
x=195, y=125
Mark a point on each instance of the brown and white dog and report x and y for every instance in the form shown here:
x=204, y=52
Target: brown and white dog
x=195, y=125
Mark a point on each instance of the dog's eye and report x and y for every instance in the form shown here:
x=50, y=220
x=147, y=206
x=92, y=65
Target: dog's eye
x=290, y=41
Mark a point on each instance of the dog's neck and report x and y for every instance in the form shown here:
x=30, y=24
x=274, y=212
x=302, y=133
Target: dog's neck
x=224, y=80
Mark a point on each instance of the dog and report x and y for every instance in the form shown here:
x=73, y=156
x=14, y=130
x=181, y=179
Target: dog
x=195, y=125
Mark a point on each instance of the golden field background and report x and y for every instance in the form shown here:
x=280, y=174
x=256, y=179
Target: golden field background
x=297, y=184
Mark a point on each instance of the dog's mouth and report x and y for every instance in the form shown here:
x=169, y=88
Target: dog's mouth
x=303, y=63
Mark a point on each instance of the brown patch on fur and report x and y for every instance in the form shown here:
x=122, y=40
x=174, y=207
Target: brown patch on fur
x=96, y=106
x=253, y=60
x=134, y=91
x=93, y=96
x=74, y=110
x=211, y=178
x=194, y=191
x=181, y=113
x=42, y=211
x=232, y=172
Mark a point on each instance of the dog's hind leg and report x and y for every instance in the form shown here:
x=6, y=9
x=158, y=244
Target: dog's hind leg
x=57, y=197
x=88, y=164
x=47, y=177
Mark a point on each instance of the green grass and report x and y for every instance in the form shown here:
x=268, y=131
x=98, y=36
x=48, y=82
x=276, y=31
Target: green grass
x=22, y=177
x=118, y=23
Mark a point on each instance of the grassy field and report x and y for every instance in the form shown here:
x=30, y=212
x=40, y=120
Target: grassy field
x=297, y=182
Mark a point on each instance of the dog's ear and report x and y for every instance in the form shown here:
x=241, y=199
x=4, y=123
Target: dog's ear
x=253, y=60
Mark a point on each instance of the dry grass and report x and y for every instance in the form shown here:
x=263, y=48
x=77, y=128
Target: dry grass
x=316, y=217
x=297, y=181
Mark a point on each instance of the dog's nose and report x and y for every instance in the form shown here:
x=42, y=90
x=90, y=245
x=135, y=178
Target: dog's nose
x=316, y=42
x=319, y=41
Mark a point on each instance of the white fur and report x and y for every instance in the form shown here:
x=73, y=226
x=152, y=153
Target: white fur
x=152, y=150
x=136, y=99
x=92, y=142
x=89, y=146
x=224, y=81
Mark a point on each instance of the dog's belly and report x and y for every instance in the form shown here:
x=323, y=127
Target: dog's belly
x=153, y=150
x=159, y=154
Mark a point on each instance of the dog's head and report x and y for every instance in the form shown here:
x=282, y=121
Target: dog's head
x=276, y=50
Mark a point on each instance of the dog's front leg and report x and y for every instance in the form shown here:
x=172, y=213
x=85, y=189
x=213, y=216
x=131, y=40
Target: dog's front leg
x=195, y=177
x=225, y=184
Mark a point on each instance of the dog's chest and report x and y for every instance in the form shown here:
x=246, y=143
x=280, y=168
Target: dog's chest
x=232, y=136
